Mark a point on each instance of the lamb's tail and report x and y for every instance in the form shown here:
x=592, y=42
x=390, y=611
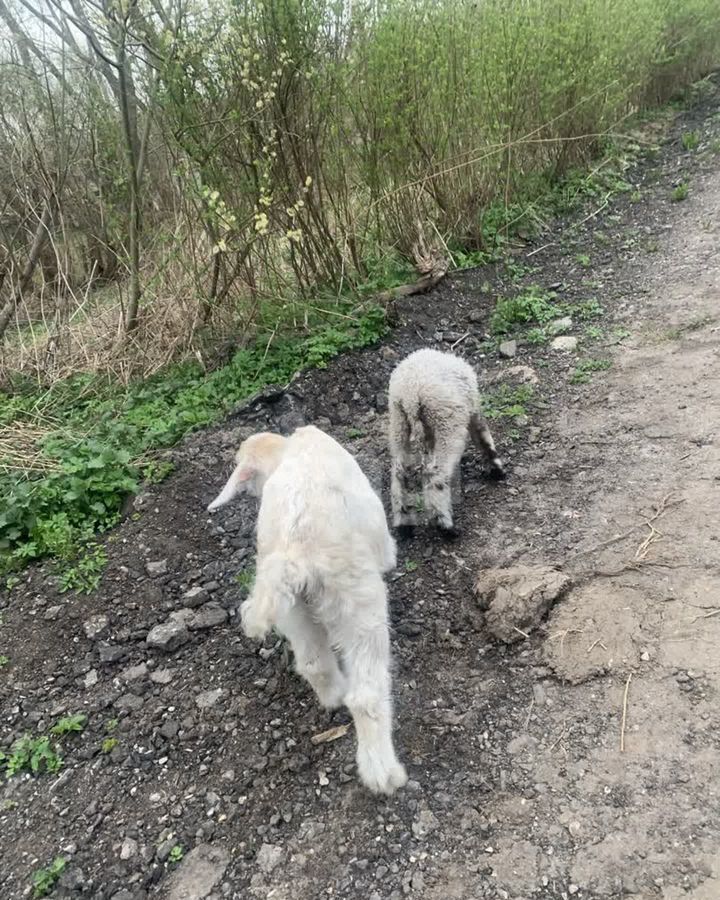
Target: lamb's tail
x=280, y=582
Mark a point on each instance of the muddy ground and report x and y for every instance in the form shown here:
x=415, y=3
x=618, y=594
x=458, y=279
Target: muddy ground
x=519, y=788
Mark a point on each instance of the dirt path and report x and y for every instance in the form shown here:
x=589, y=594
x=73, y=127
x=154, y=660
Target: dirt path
x=519, y=788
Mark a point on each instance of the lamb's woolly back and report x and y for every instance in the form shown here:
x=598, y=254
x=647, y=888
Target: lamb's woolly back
x=431, y=376
x=318, y=503
x=434, y=402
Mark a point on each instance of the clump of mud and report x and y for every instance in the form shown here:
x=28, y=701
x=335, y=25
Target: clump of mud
x=517, y=599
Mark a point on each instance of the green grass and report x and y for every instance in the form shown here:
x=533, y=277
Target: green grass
x=507, y=402
x=680, y=192
x=109, y=441
x=584, y=371
x=690, y=140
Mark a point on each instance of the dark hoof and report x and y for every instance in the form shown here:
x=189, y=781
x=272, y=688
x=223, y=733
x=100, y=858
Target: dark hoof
x=448, y=534
x=497, y=474
x=405, y=532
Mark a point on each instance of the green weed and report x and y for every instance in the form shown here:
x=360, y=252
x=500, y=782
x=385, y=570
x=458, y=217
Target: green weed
x=535, y=305
x=245, y=578
x=69, y=725
x=158, y=470
x=507, y=401
x=582, y=374
x=31, y=754
x=680, y=192
x=690, y=140
x=4, y=660
x=44, y=880
x=108, y=745
x=84, y=576
x=536, y=336
x=176, y=854
x=594, y=333
x=410, y=565
x=585, y=310
x=111, y=725
x=583, y=259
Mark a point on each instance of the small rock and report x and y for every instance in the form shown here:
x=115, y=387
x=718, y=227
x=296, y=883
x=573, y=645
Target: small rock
x=645, y=656
x=417, y=882
x=521, y=743
x=539, y=695
x=208, y=616
x=425, y=823
x=560, y=326
x=111, y=653
x=156, y=568
x=196, y=596
x=169, y=729
x=132, y=673
x=51, y=613
x=129, y=701
x=168, y=636
x=268, y=857
x=162, y=676
x=129, y=848
x=566, y=343
x=475, y=316
x=207, y=699
x=91, y=679
x=525, y=373
x=165, y=849
x=96, y=627
x=72, y=880
x=508, y=349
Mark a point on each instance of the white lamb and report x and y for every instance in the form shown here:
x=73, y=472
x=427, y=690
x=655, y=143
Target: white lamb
x=434, y=401
x=323, y=546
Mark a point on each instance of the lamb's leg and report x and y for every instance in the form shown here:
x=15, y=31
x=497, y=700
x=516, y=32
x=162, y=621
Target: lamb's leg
x=314, y=657
x=404, y=516
x=364, y=642
x=482, y=438
x=438, y=471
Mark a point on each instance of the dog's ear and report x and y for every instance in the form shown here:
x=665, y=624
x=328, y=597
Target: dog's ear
x=236, y=484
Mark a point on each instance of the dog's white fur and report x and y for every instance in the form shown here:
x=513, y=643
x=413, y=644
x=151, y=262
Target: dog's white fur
x=323, y=546
x=434, y=401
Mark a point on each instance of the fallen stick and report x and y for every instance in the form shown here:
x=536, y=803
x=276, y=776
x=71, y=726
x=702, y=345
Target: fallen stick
x=624, y=713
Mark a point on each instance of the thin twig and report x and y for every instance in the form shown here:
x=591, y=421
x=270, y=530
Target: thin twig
x=527, y=720
x=624, y=713
x=460, y=340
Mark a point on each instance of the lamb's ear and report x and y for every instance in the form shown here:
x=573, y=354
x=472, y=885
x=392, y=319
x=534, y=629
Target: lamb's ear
x=236, y=484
